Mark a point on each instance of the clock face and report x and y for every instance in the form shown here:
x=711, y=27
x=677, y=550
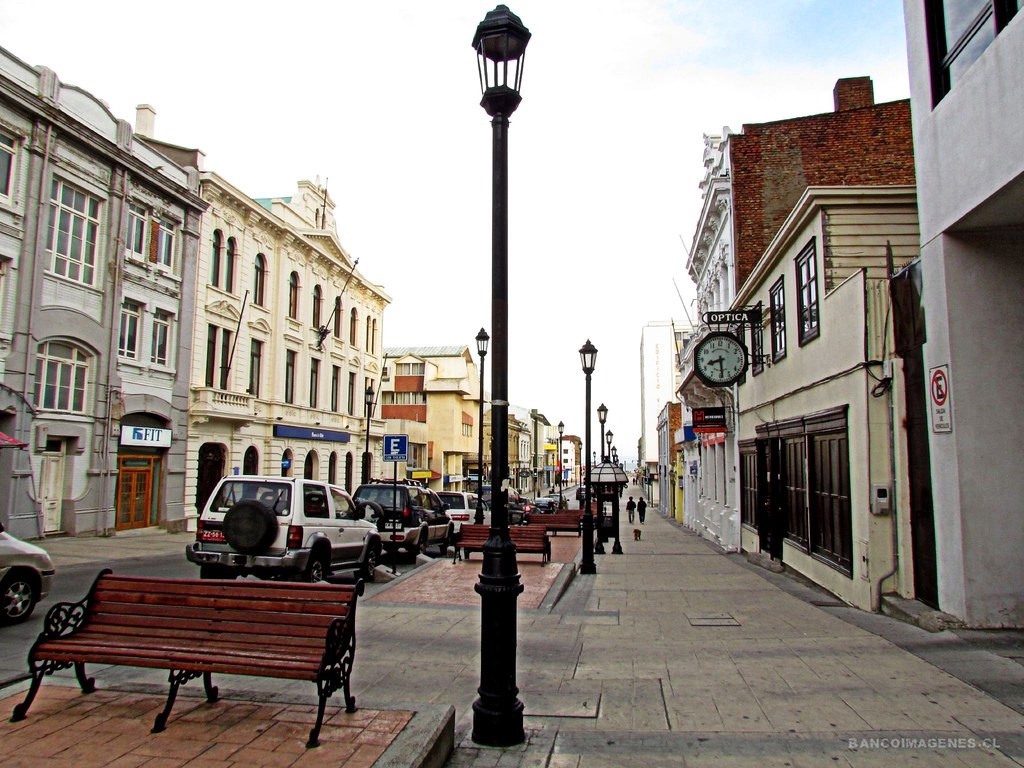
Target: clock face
x=720, y=359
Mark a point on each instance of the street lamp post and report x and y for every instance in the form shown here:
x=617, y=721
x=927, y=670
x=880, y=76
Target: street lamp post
x=500, y=43
x=558, y=463
x=588, y=357
x=367, y=456
x=608, y=442
x=602, y=415
x=481, y=347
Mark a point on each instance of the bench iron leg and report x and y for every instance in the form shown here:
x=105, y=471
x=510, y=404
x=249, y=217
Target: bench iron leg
x=314, y=735
x=176, y=678
x=39, y=670
x=212, y=691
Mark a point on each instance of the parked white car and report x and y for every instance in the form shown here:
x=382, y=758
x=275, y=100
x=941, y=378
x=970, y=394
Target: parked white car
x=461, y=507
x=26, y=572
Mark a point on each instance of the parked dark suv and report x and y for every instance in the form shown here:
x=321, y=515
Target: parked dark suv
x=408, y=516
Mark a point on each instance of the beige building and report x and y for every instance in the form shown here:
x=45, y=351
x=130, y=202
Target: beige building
x=432, y=395
x=822, y=446
x=286, y=341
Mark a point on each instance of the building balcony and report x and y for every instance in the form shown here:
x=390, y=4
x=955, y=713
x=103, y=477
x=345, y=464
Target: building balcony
x=209, y=404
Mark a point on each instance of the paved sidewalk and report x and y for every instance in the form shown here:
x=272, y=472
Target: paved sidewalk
x=674, y=654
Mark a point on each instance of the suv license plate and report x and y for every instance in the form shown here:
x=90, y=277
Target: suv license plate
x=215, y=536
x=393, y=524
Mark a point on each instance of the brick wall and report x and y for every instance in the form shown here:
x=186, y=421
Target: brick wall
x=773, y=163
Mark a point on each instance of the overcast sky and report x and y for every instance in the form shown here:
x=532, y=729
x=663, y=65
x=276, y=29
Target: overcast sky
x=381, y=99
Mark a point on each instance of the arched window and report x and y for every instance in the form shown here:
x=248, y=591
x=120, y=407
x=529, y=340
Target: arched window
x=229, y=267
x=349, y=471
x=373, y=337
x=352, y=332
x=332, y=468
x=259, y=279
x=286, y=463
x=318, y=303
x=309, y=466
x=218, y=246
x=62, y=377
x=251, y=461
x=293, y=295
x=337, y=317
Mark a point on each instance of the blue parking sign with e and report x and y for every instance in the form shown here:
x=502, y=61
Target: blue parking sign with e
x=396, y=447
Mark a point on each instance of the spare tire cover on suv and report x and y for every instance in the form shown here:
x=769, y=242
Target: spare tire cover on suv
x=250, y=527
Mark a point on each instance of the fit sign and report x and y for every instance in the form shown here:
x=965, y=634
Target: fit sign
x=149, y=437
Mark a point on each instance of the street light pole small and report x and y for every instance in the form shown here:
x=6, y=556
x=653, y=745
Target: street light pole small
x=558, y=463
x=588, y=358
x=481, y=347
x=602, y=415
x=367, y=455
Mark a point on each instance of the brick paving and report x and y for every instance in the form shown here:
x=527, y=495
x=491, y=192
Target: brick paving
x=451, y=583
x=111, y=729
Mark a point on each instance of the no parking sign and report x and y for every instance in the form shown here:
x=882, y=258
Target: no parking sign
x=939, y=399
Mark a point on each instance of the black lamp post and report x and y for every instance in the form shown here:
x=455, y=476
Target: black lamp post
x=481, y=347
x=367, y=456
x=558, y=463
x=588, y=357
x=608, y=442
x=602, y=415
x=500, y=43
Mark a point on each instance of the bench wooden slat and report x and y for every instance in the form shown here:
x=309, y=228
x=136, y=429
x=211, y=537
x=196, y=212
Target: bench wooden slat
x=265, y=629
x=553, y=522
x=472, y=538
x=202, y=616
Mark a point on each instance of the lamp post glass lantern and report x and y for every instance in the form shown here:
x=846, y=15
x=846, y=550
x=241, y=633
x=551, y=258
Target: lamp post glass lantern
x=367, y=455
x=481, y=347
x=588, y=358
x=500, y=44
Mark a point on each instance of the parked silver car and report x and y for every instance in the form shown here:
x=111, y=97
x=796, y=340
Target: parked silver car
x=26, y=572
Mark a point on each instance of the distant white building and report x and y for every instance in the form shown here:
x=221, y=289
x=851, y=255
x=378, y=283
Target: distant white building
x=659, y=379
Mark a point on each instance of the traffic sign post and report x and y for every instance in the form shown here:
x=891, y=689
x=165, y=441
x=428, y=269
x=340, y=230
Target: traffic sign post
x=396, y=449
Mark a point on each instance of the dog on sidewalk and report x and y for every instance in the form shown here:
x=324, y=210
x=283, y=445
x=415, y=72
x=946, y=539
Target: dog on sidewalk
x=636, y=534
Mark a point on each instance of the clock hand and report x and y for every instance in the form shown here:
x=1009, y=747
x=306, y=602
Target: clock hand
x=720, y=362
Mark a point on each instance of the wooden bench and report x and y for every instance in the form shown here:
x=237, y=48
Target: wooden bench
x=471, y=538
x=195, y=628
x=570, y=520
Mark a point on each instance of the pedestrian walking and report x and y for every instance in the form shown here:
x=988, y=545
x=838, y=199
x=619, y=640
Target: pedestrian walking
x=641, y=509
x=631, y=509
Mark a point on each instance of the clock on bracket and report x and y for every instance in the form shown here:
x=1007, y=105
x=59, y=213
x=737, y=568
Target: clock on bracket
x=720, y=359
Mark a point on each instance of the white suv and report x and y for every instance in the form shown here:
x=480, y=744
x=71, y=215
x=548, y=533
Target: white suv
x=461, y=507
x=282, y=526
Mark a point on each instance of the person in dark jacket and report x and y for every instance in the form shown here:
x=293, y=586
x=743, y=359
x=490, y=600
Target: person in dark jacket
x=641, y=509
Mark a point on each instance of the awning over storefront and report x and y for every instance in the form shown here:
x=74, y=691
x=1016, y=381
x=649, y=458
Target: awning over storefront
x=6, y=441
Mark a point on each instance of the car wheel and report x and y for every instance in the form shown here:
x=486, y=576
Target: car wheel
x=250, y=527
x=317, y=569
x=369, y=570
x=19, y=595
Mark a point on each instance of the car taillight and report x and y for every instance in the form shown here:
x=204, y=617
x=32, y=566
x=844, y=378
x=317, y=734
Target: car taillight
x=407, y=513
x=294, y=536
x=199, y=530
